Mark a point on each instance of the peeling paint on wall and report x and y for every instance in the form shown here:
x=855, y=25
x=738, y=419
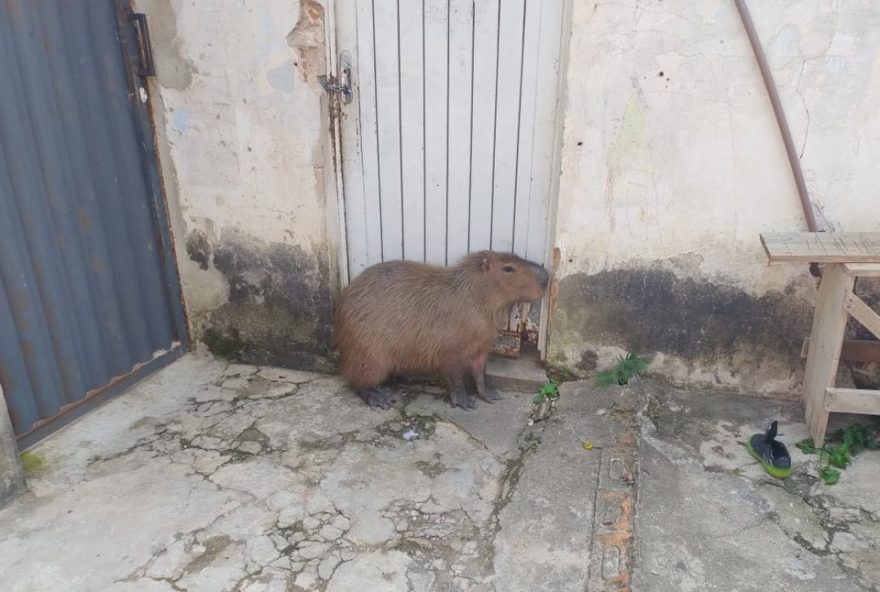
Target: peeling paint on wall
x=307, y=39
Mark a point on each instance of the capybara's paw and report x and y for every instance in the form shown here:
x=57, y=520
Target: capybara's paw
x=463, y=400
x=377, y=397
x=491, y=395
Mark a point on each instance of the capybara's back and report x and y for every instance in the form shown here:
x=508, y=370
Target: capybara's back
x=402, y=317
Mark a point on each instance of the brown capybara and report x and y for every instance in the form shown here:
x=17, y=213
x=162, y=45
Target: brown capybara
x=406, y=318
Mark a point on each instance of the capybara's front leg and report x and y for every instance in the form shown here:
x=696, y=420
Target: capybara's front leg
x=458, y=395
x=478, y=371
x=377, y=396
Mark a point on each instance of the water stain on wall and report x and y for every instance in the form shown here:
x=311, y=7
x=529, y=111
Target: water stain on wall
x=174, y=71
x=652, y=310
x=280, y=305
x=198, y=247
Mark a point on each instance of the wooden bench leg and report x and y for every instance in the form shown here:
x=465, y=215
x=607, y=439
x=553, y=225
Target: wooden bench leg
x=826, y=341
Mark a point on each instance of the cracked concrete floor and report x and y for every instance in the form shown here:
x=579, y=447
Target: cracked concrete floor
x=710, y=518
x=211, y=476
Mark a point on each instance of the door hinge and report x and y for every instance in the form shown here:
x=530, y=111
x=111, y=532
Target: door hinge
x=342, y=83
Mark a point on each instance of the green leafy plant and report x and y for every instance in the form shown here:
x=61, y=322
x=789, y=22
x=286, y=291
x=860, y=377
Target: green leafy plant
x=623, y=371
x=829, y=476
x=841, y=447
x=549, y=391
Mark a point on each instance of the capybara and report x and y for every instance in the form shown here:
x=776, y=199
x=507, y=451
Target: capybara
x=406, y=318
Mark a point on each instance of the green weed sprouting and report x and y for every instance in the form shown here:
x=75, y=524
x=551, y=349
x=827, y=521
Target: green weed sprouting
x=841, y=447
x=627, y=368
x=549, y=391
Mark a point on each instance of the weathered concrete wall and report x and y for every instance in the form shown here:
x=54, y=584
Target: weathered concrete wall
x=242, y=127
x=672, y=165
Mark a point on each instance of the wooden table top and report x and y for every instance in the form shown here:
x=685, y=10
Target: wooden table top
x=822, y=247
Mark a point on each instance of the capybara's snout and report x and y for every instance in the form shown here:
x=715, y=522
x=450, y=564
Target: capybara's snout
x=535, y=286
x=543, y=277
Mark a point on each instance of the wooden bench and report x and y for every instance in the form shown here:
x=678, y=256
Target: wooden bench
x=846, y=256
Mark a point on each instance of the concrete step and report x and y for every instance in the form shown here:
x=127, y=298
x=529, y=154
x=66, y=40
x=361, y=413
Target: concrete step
x=522, y=374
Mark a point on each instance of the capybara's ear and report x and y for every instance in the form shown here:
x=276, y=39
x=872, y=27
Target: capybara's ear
x=484, y=264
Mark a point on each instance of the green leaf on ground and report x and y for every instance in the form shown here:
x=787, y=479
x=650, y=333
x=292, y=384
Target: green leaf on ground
x=830, y=476
x=841, y=447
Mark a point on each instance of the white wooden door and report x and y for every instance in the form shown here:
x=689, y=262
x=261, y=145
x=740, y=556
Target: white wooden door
x=449, y=142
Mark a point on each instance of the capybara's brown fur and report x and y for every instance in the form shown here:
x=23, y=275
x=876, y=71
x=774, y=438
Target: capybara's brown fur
x=406, y=318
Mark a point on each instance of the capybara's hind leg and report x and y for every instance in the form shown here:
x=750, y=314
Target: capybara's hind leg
x=366, y=375
x=458, y=395
x=478, y=371
x=377, y=396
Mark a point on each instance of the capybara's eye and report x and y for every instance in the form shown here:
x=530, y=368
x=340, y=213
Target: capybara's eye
x=509, y=269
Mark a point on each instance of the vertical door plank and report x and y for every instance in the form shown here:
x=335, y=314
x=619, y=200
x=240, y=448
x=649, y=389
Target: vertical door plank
x=412, y=131
x=450, y=146
x=369, y=216
x=528, y=95
x=483, y=146
x=385, y=29
x=545, y=135
x=510, y=48
x=436, y=128
x=459, y=148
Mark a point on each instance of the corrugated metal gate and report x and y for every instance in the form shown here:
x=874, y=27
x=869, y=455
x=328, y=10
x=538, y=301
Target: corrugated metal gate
x=90, y=298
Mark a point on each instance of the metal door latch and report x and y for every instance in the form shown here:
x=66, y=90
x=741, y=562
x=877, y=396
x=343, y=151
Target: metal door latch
x=343, y=86
x=145, y=47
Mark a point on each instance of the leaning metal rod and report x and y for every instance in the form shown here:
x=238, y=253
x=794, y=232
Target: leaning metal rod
x=793, y=159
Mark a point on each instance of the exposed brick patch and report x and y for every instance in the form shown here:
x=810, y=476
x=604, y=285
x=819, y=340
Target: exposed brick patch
x=611, y=553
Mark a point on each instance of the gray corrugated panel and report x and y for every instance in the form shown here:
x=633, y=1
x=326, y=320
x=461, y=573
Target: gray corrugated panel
x=33, y=289
x=137, y=222
x=80, y=268
x=71, y=157
x=104, y=166
x=81, y=149
x=38, y=144
x=16, y=312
